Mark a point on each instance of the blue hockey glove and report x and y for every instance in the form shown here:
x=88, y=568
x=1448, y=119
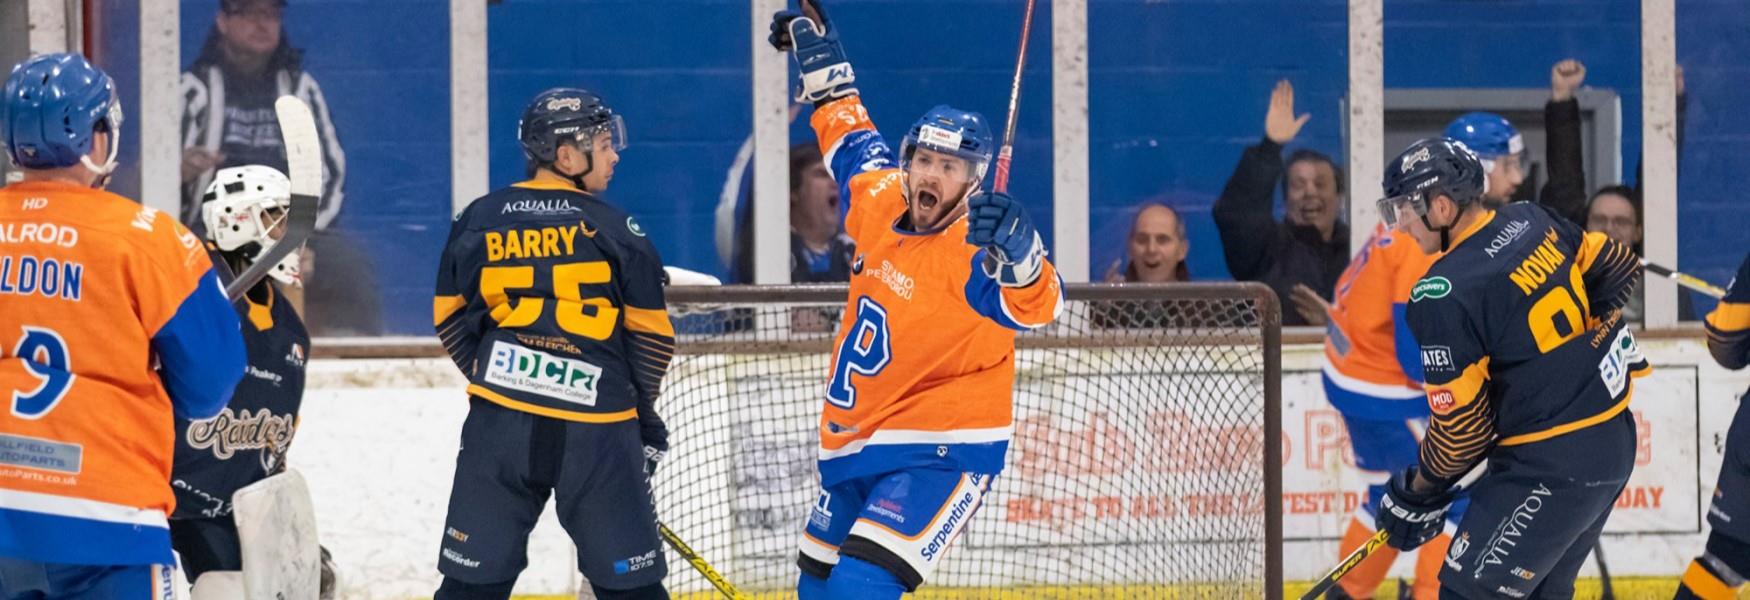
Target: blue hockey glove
x=998, y=223
x=1409, y=517
x=826, y=73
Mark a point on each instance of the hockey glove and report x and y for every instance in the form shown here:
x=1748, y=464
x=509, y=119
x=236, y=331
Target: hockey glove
x=1411, y=518
x=999, y=224
x=826, y=73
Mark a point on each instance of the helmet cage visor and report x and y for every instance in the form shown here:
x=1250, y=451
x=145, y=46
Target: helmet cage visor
x=584, y=136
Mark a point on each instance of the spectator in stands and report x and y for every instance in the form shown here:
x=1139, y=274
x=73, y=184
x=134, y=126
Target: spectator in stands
x=229, y=91
x=819, y=249
x=1302, y=256
x=1154, y=253
x=1614, y=210
x=228, y=119
x=1156, y=248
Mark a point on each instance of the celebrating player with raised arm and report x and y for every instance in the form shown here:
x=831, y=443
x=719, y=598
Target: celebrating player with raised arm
x=1527, y=363
x=550, y=301
x=1723, y=567
x=919, y=407
x=94, y=291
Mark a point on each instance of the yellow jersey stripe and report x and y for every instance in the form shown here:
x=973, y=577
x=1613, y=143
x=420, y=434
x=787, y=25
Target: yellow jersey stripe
x=647, y=320
x=444, y=306
x=1570, y=427
x=1730, y=317
x=563, y=415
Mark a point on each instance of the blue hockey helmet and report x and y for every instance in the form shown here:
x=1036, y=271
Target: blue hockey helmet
x=1430, y=168
x=51, y=107
x=1489, y=135
x=959, y=133
x=566, y=115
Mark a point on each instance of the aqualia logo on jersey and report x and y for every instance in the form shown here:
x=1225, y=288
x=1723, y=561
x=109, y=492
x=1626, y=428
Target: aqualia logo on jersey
x=1430, y=289
x=537, y=372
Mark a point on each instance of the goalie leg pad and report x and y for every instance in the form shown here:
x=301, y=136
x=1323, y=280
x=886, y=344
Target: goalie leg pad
x=218, y=585
x=276, y=532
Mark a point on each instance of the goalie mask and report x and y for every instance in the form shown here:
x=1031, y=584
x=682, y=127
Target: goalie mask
x=245, y=210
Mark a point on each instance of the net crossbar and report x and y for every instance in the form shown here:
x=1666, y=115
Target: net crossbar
x=1145, y=460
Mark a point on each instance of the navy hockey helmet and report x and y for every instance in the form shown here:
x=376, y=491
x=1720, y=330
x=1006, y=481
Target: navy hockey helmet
x=1430, y=168
x=567, y=116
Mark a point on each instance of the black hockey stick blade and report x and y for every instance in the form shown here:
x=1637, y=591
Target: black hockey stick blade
x=704, y=568
x=1343, y=568
x=304, y=168
x=1607, y=590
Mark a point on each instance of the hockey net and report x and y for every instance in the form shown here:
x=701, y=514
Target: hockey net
x=1143, y=462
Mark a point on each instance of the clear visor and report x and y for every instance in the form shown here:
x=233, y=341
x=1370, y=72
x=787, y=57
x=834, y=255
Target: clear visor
x=1397, y=209
x=1515, y=162
x=615, y=128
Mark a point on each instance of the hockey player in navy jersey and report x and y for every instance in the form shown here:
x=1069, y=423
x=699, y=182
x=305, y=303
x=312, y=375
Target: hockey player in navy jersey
x=550, y=301
x=243, y=211
x=1719, y=573
x=1527, y=363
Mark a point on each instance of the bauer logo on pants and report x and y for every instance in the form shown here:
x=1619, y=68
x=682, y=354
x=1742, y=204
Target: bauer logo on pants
x=538, y=372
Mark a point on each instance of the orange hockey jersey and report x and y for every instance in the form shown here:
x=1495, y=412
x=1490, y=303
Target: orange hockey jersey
x=924, y=366
x=95, y=291
x=1373, y=368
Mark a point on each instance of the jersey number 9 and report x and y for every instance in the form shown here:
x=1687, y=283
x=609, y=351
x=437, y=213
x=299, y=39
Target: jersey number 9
x=44, y=355
x=865, y=351
x=568, y=279
x=1558, y=317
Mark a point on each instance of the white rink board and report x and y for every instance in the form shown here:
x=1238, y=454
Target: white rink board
x=378, y=441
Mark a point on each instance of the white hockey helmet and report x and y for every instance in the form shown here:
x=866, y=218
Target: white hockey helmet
x=242, y=208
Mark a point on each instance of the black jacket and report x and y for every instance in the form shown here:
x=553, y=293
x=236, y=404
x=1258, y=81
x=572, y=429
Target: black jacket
x=1275, y=253
x=1566, y=192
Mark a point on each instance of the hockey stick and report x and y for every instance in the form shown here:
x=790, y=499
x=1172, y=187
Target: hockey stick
x=1343, y=568
x=1000, y=183
x=1689, y=281
x=304, y=168
x=699, y=564
x=1609, y=591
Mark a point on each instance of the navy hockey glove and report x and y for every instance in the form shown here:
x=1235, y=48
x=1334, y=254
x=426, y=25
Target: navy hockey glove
x=826, y=73
x=1001, y=226
x=1409, y=517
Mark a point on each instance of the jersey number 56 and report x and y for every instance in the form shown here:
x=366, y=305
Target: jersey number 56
x=865, y=351
x=568, y=279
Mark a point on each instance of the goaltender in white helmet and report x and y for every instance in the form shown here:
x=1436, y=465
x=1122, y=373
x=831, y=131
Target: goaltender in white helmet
x=245, y=213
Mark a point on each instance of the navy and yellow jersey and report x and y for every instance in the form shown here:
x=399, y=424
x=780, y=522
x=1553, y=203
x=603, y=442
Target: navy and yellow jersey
x=1521, y=335
x=550, y=301
x=1728, y=326
x=245, y=442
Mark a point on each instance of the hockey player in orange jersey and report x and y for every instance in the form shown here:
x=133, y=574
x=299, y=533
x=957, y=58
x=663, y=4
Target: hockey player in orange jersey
x=94, y=291
x=919, y=407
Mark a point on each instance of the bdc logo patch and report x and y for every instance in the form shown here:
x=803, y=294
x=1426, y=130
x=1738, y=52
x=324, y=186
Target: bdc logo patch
x=543, y=374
